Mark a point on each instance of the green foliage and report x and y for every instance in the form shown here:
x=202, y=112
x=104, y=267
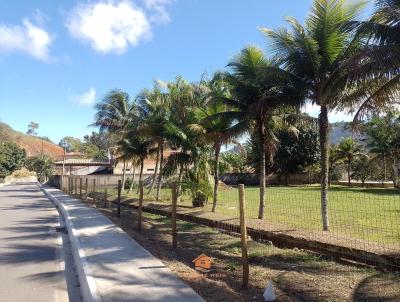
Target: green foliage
x=43, y=165
x=232, y=162
x=12, y=158
x=363, y=170
x=296, y=154
x=94, y=145
x=71, y=144
x=383, y=140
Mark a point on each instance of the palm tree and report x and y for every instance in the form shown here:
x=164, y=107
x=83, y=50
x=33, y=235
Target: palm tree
x=255, y=97
x=382, y=138
x=349, y=150
x=379, y=59
x=154, y=109
x=136, y=148
x=215, y=130
x=314, y=54
x=114, y=113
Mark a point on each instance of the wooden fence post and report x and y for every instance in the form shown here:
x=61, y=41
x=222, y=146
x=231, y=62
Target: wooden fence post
x=105, y=197
x=173, y=216
x=86, y=188
x=119, y=199
x=243, y=233
x=76, y=186
x=94, y=191
x=140, y=209
x=80, y=187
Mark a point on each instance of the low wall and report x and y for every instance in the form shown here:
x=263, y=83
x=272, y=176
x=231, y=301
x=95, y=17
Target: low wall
x=106, y=179
x=367, y=184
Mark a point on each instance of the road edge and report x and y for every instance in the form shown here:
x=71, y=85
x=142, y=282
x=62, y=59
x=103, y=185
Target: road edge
x=88, y=284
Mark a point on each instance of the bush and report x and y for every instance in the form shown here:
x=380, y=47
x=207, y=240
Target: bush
x=43, y=166
x=128, y=183
x=12, y=158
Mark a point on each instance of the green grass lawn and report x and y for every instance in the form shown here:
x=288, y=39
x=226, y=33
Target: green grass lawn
x=368, y=214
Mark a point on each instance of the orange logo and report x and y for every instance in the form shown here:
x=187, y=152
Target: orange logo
x=202, y=263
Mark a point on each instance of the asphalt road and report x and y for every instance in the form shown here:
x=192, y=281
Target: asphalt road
x=31, y=251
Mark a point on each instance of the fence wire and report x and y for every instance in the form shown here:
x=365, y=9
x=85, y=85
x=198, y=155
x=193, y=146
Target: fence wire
x=364, y=223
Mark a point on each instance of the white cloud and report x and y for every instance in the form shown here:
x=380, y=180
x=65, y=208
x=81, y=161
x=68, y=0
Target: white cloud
x=158, y=10
x=27, y=38
x=85, y=99
x=110, y=26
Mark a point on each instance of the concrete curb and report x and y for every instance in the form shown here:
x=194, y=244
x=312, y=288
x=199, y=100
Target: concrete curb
x=87, y=282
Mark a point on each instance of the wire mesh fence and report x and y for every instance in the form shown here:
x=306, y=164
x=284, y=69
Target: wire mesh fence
x=364, y=223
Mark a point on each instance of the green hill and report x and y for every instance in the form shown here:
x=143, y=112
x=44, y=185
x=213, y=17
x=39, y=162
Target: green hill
x=33, y=145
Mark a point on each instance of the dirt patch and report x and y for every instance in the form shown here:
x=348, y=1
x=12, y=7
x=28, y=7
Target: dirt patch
x=296, y=275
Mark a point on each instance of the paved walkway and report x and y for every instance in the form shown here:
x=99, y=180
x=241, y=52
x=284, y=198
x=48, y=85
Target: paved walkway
x=30, y=251
x=122, y=270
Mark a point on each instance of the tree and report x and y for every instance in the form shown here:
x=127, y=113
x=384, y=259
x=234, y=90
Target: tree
x=256, y=96
x=217, y=130
x=32, y=128
x=348, y=150
x=43, y=165
x=71, y=144
x=12, y=158
x=295, y=154
x=314, y=54
x=114, y=114
x=379, y=59
x=363, y=170
x=383, y=139
x=232, y=162
x=134, y=148
x=155, y=111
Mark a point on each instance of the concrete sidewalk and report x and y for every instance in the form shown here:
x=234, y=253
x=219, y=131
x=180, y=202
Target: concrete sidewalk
x=113, y=266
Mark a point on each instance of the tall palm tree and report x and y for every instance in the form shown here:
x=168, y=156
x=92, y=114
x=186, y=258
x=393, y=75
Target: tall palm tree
x=216, y=131
x=114, y=113
x=255, y=97
x=158, y=121
x=154, y=108
x=349, y=150
x=314, y=54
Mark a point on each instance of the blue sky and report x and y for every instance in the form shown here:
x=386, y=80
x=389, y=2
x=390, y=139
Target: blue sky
x=57, y=58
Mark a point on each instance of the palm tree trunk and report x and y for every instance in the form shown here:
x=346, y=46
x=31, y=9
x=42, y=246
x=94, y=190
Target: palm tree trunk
x=262, y=171
x=216, y=175
x=179, y=188
x=124, y=176
x=159, y=183
x=155, y=170
x=324, y=144
x=133, y=177
x=141, y=173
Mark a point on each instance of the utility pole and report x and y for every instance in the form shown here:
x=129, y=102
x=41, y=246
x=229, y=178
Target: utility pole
x=63, y=171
